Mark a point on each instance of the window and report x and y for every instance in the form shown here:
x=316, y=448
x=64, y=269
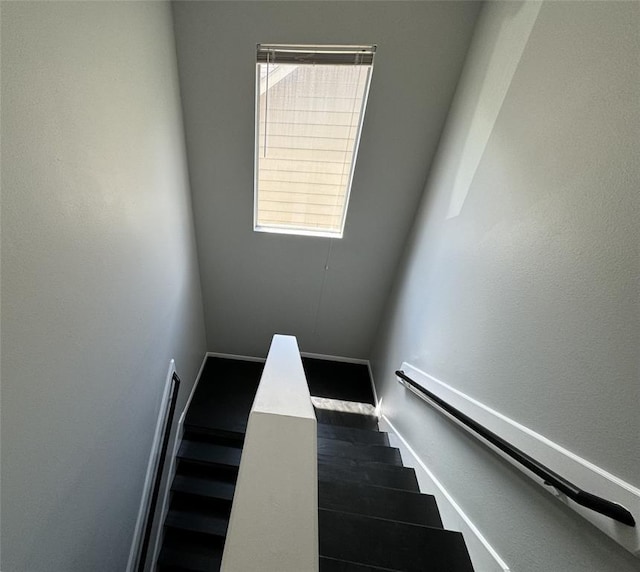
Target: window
x=310, y=103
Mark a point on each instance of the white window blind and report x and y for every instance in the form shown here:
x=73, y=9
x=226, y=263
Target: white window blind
x=309, y=109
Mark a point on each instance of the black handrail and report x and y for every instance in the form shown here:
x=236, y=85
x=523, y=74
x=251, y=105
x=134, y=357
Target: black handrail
x=608, y=508
x=175, y=380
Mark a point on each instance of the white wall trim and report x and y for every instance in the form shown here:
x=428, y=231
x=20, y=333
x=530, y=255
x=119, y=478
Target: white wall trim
x=152, y=467
x=193, y=389
x=156, y=542
x=583, y=473
x=235, y=356
x=335, y=358
x=483, y=556
x=373, y=388
x=274, y=516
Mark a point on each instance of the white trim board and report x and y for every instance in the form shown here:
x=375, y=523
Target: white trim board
x=373, y=388
x=234, y=356
x=303, y=354
x=581, y=472
x=193, y=389
x=152, y=467
x=327, y=357
x=483, y=556
x=156, y=543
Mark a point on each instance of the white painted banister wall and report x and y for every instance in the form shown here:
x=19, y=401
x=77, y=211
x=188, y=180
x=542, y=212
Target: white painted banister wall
x=274, y=518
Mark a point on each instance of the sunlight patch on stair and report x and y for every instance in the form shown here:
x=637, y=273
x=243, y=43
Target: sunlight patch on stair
x=345, y=406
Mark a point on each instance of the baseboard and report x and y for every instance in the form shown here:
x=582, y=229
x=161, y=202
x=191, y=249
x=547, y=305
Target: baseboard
x=156, y=544
x=303, y=354
x=193, y=389
x=151, y=471
x=235, y=356
x=373, y=388
x=592, y=478
x=335, y=358
x=483, y=555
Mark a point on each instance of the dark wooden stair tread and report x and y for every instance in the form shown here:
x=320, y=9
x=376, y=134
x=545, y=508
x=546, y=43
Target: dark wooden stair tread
x=346, y=419
x=352, y=435
x=213, y=435
x=390, y=544
x=183, y=557
x=204, y=452
x=379, y=502
x=380, y=474
x=335, y=565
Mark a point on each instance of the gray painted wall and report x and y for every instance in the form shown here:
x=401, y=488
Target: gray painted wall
x=100, y=285
x=520, y=281
x=257, y=284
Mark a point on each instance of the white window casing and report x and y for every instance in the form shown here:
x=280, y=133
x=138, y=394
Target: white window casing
x=310, y=103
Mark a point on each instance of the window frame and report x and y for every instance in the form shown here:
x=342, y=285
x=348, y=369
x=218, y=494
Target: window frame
x=354, y=51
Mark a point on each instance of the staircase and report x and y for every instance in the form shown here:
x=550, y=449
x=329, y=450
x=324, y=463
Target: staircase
x=372, y=516
x=207, y=466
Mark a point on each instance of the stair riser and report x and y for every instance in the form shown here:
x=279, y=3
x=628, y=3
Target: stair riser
x=341, y=419
x=332, y=565
x=207, y=471
x=227, y=438
x=377, y=453
x=355, y=436
x=178, y=537
x=402, y=480
x=226, y=471
x=185, y=501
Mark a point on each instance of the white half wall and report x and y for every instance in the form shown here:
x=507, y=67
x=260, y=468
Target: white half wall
x=274, y=518
x=100, y=284
x=519, y=284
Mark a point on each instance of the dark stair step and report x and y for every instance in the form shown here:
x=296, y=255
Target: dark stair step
x=389, y=544
x=346, y=419
x=203, y=452
x=366, y=472
x=226, y=474
x=351, y=435
x=379, y=453
x=194, y=521
x=203, y=487
x=215, y=436
x=334, y=565
x=379, y=502
x=188, y=556
x=212, y=506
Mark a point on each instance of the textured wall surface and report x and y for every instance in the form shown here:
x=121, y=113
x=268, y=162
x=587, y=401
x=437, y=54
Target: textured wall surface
x=100, y=286
x=258, y=284
x=520, y=282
